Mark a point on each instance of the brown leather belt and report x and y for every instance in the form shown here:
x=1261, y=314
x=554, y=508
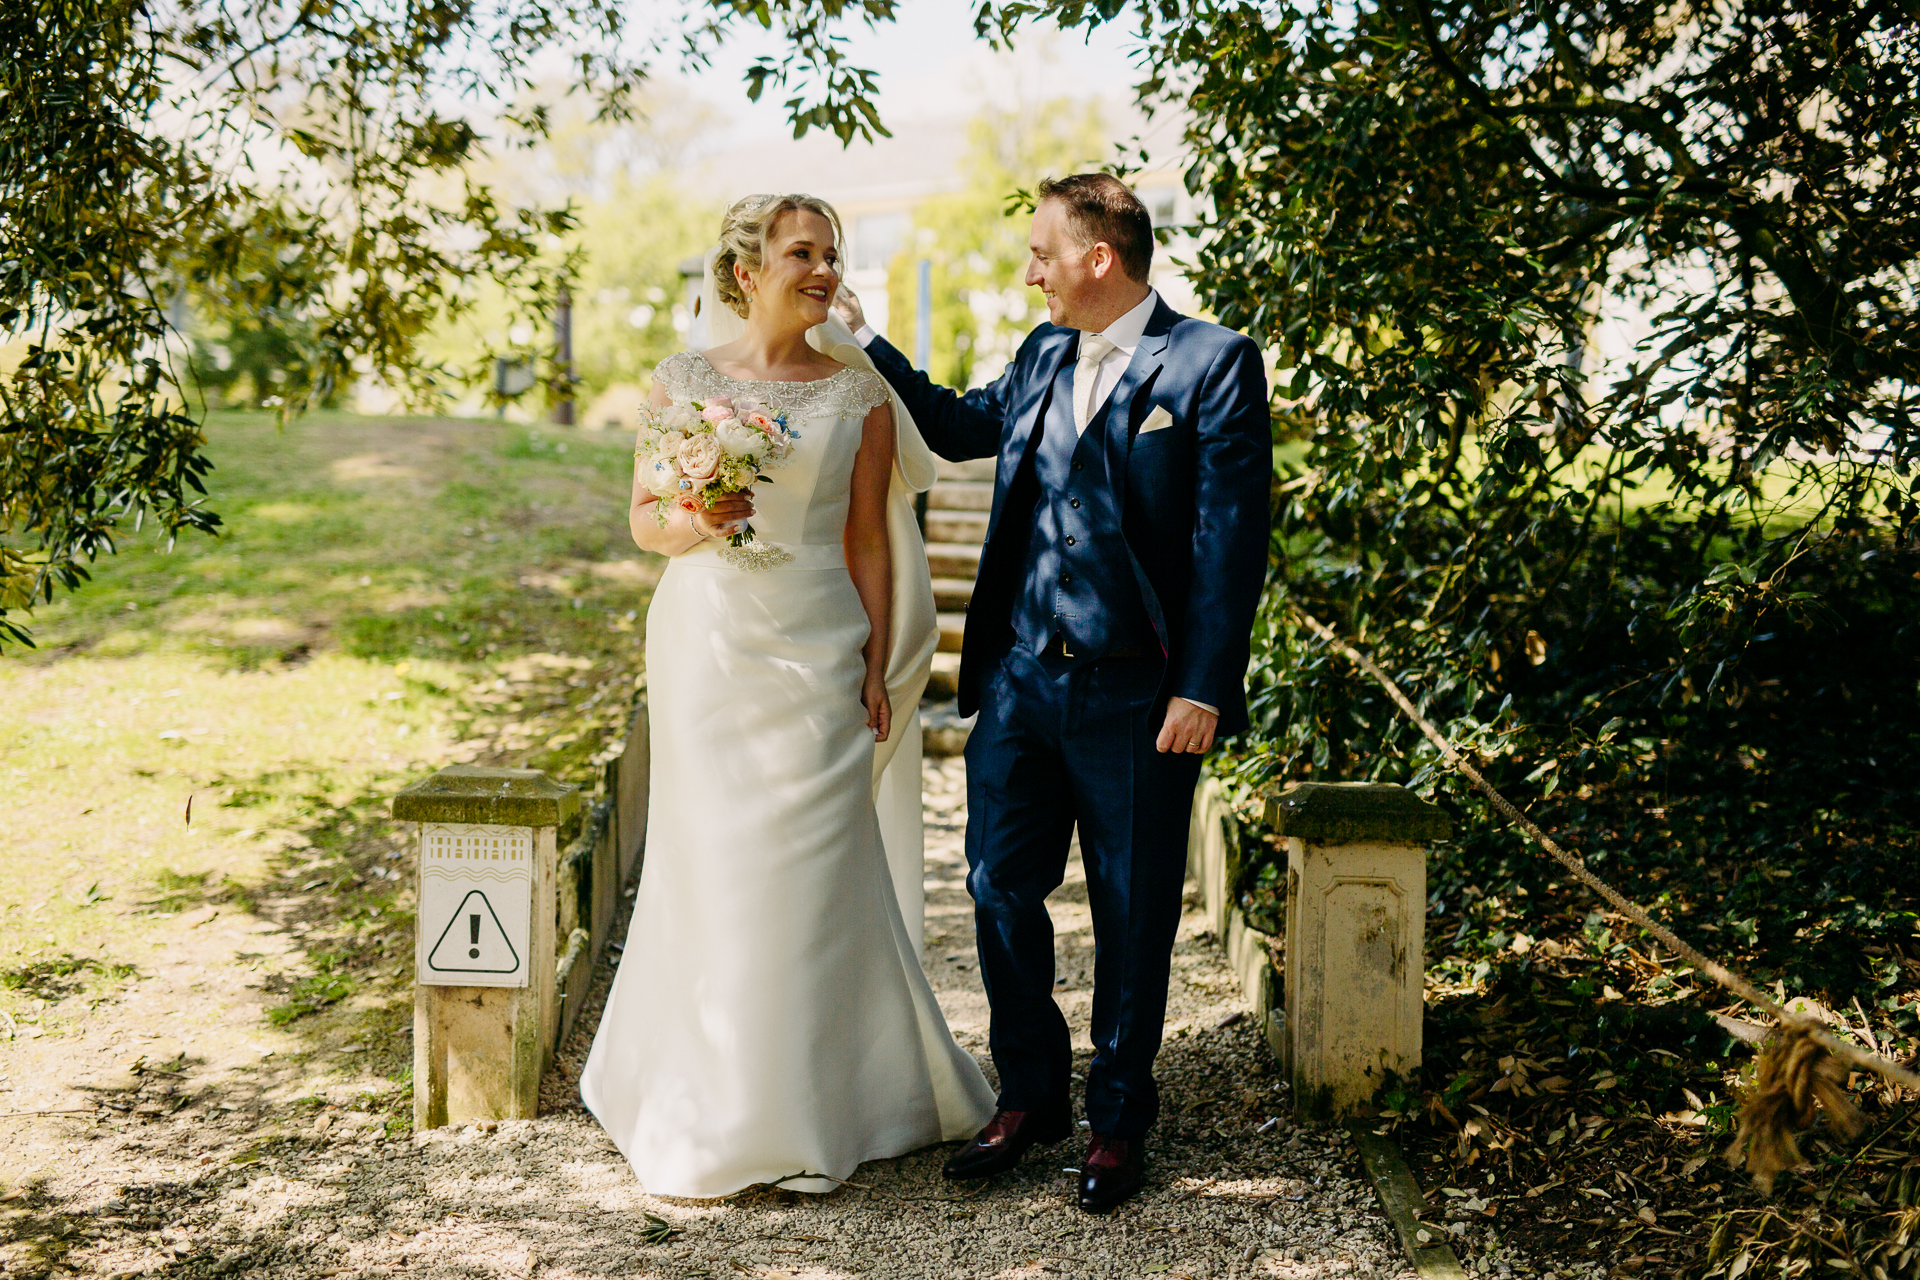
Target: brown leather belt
x=1058, y=647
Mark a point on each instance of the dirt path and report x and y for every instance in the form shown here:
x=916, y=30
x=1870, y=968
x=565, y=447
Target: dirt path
x=190, y=1165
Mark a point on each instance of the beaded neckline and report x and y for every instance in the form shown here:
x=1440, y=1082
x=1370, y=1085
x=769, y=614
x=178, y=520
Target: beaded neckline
x=689, y=375
x=701, y=356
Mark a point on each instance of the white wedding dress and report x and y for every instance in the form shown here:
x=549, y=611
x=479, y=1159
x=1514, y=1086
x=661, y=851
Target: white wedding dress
x=770, y=1016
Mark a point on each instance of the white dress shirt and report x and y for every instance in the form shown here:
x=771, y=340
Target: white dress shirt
x=1125, y=334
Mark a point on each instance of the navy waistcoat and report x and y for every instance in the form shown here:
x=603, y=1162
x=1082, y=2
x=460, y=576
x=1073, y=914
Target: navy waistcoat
x=1079, y=583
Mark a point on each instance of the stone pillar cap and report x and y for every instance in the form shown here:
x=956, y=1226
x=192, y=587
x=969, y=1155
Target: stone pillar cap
x=479, y=795
x=1356, y=812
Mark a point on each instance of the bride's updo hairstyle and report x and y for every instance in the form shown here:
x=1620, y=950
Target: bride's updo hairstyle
x=743, y=239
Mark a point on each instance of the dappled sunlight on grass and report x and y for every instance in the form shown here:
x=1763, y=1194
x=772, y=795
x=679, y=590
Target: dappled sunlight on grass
x=213, y=732
x=285, y=512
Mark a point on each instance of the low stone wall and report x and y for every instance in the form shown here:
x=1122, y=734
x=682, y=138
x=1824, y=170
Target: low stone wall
x=597, y=868
x=1213, y=863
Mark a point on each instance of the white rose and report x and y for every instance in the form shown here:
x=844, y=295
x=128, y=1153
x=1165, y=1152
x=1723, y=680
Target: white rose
x=671, y=440
x=677, y=416
x=663, y=474
x=739, y=439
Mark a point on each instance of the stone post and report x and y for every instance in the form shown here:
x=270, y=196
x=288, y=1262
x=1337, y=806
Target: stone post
x=484, y=1012
x=1356, y=933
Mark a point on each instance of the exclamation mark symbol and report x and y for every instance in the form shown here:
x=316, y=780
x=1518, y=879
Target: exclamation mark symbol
x=473, y=936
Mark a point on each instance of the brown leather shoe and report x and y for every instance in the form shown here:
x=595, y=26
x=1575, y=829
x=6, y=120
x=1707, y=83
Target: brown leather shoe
x=1007, y=1137
x=1112, y=1172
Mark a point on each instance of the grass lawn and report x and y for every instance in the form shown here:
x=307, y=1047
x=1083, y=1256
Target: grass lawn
x=212, y=732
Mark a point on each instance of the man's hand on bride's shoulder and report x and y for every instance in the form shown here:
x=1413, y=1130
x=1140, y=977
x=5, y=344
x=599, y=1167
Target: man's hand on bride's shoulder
x=846, y=305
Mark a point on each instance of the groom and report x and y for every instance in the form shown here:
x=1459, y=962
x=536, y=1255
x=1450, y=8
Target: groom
x=1106, y=647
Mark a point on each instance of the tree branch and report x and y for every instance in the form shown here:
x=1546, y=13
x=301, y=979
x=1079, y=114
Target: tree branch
x=1481, y=100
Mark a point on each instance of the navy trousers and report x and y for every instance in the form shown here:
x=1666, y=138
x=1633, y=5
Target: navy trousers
x=1058, y=745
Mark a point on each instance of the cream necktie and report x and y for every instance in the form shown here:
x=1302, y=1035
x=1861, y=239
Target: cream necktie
x=1094, y=348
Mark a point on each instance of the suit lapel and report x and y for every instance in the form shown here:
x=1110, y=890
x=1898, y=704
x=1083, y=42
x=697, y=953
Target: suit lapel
x=1141, y=370
x=1020, y=434
x=1020, y=439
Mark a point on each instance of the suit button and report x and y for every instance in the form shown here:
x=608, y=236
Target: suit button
x=1069, y=539
x=1074, y=503
x=1066, y=577
x=1079, y=466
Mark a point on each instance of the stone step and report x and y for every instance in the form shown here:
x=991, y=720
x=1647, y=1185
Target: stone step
x=957, y=526
x=952, y=593
x=943, y=732
x=961, y=495
x=954, y=559
x=944, y=684
x=976, y=469
x=952, y=627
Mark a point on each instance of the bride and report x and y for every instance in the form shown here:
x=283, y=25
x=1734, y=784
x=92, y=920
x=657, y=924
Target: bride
x=770, y=1017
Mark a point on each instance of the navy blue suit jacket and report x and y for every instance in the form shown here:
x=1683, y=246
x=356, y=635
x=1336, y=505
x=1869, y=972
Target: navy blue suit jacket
x=1190, y=499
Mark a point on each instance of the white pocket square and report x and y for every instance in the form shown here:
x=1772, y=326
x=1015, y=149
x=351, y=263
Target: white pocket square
x=1157, y=420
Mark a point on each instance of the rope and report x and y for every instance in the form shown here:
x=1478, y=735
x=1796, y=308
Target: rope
x=1783, y=1092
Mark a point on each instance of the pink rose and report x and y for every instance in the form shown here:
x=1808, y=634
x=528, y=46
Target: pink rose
x=718, y=410
x=759, y=421
x=700, y=457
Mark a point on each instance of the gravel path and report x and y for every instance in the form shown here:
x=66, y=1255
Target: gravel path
x=1234, y=1189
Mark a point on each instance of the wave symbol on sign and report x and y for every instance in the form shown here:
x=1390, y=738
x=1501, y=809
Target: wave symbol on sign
x=473, y=941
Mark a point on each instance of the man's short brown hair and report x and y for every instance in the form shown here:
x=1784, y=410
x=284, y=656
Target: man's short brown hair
x=1099, y=208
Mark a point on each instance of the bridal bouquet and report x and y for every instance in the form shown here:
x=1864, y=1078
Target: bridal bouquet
x=694, y=454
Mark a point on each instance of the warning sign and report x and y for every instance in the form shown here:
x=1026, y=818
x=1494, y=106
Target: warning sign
x=476, y=905
x=482, y=947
